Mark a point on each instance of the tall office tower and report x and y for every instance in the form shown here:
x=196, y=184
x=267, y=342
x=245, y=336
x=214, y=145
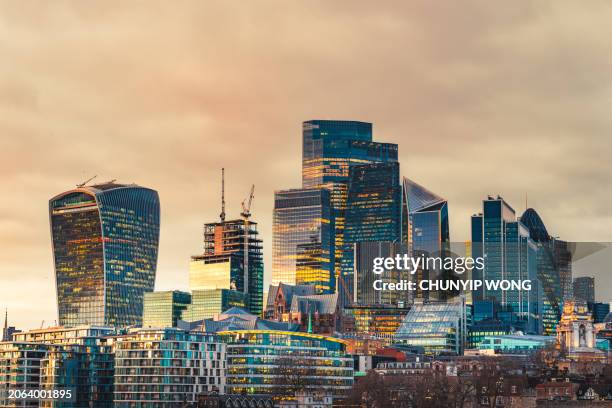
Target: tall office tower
x=548, y=271
x=425, y=229
x=222, y=265
x=303, y=240
x=330, y=149
x=563, y=261
x=364, y=293
x=584, y=289
x=509, y=254
x=373, y=213
x=105, y=240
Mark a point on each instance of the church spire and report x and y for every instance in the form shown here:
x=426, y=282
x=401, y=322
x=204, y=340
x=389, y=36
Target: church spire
x=5, y=331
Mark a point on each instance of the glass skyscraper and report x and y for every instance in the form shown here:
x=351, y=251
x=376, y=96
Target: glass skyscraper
x=548, y=270
x=330, y=149
x=425, y=229
x=373, y=213
x=509, y=254
x=105, y=241
x=303, y=243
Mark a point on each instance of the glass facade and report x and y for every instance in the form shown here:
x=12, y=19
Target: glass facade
x=514, y=344
x=303, y=239
x=164, y=309
x=509, y=254
x=364, y=293
x=373, y=213
x=207, y=303
x=79, y=360
x=548, y=270
x=376, y=321
x=584, y=289
x=439, y=328
x=222, y=265
x=330, y=148
x=425, y=229
x=167, y=368
x=262, y=362
x=105, y=241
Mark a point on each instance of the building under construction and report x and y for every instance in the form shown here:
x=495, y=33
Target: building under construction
x=223, y=265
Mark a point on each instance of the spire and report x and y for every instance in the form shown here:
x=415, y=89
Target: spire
x=222, y=215
x=5, y=331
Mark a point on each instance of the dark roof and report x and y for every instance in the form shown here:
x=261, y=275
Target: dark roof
x=531, y=219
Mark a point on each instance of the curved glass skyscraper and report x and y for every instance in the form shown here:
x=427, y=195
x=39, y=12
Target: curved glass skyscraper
x=105, y=241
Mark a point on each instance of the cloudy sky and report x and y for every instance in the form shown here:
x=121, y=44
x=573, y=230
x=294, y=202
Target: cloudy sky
x=482, y=97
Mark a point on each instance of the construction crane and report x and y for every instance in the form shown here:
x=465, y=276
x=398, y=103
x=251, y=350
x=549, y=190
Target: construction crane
x=222, y=215
x=246, y=214
x=81, y=185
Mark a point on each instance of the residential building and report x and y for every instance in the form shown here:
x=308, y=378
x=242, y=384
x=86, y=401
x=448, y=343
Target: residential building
x=167, y=367
x=105, y=241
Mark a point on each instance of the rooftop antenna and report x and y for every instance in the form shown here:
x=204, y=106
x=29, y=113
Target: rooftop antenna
x=5, y=331
x=83, y=184
x=222, y=215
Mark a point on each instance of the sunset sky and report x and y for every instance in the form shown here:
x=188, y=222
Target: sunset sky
x=509, y=98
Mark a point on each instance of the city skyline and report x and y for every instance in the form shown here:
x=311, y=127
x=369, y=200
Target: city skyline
x=70, y=115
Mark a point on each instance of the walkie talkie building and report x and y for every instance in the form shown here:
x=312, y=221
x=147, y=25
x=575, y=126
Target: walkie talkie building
x=105, y=242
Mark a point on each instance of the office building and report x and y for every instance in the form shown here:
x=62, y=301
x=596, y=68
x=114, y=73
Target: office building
x=563, y=260
x=509, y=254
x=584, y=289
x=303, y=245
x=373, y=213
x=105, y=242
x=167, y=367
x=548, y=270
x=164, y=308
x=223, y=264
x=599, y=311
x=375, y=321
x=207, y=303
x=316, y=362
x=515, y=344
x=364, y=293
x=438, y=327
x=425, y=230
x=330, y=149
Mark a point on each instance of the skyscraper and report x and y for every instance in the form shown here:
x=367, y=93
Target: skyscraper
x=425, y=230
x=509, y=254
x=373, y=212
x=222, y=265
x=548, y=270
x=105, y=242
x=330, y=149
x=303, y=243
x=584, y=289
